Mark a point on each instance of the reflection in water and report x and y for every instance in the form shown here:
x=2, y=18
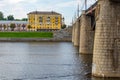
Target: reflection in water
x=105, y=78
x=44, y=61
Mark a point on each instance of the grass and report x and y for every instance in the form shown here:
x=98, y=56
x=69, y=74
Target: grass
x=26, y=34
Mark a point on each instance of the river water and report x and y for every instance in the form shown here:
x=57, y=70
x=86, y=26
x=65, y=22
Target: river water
x=44, y=61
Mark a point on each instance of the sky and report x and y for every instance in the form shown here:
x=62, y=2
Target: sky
x=20, y=8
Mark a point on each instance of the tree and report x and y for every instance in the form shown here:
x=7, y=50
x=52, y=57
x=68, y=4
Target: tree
x=24, y=19
x=5, y=19
x=12, y=26
x=1, y=16
x=17, y=20
x=63, y=26
x=10, y=17
x=29, y=27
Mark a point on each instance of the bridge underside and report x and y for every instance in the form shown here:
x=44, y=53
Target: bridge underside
x=115, y=0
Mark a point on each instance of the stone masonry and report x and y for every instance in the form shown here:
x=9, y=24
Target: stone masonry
x=86, y=35
x=73, y=32
x=77, y=33
x=63, y=34
x=106, y=55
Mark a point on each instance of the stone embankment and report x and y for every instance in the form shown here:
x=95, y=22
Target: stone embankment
x=63, y=35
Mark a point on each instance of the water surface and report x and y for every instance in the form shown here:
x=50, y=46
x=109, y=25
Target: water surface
x=43, y=61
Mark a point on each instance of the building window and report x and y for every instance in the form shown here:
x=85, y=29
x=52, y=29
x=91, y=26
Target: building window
x=48, y=21
x=48, y=18
x=41, y=20
x=56, y=23
x=56, y=20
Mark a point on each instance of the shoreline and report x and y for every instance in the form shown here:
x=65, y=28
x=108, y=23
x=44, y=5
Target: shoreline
x=34, y=40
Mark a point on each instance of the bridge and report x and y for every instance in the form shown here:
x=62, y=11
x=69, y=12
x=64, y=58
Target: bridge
x=97, y=31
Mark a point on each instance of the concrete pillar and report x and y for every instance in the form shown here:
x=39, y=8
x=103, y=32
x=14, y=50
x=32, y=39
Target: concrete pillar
x=77, y=33
x=73, y=32
x=106, y=56
x=86, y=35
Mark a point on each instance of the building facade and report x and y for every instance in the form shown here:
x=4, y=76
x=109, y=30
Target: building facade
x=19, y=25
x=44, y=21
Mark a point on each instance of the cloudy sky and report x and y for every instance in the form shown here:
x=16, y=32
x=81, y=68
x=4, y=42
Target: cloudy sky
x=20, y=8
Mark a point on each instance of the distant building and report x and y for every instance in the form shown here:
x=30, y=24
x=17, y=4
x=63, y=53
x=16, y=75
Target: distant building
x=44, y=21
x=20, y=25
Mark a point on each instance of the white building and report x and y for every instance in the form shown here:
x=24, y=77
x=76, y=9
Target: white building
x=20, y=25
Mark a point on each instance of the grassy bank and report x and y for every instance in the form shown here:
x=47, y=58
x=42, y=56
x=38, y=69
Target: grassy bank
x=26, y=34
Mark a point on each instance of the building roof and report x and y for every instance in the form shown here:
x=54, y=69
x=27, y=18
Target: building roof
x=45, y=12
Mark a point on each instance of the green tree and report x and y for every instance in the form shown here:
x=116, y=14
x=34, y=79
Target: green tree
x=10, y=17
x=24, y=19
x=17, y=20
x=63, y=26
x=12, y=26
x=1, y=16
x=29, y=27
x=5, y=19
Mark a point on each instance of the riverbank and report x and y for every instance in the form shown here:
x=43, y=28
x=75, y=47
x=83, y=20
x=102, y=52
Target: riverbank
x=26, y=35
x=35, y=40
x=63, y=35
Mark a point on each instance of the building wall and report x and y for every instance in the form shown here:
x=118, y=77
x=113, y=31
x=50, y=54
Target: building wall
x=41, y=21
x=5, y=25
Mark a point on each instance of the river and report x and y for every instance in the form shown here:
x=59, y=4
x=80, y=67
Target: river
x=44, y=61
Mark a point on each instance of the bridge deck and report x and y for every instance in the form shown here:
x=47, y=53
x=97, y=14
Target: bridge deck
x=115, y=0
x=91, y=8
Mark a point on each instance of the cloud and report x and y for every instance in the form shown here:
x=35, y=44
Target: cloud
x=20, y=8
x=18, y=1
x=66, y=4
x=14, y=1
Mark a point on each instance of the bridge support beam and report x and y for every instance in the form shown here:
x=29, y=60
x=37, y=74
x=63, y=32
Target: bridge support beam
x=106, y=55
x=77, y=33
x=86, y=35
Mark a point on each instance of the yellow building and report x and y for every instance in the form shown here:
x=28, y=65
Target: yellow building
x=44, y=21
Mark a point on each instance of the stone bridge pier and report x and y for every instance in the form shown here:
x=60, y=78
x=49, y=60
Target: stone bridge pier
x=86, y=35
x=83, y=35
x=76, y=33
x=106, y=55
x=73, y=32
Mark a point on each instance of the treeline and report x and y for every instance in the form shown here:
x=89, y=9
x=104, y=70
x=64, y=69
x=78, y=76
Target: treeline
x=10, y=17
